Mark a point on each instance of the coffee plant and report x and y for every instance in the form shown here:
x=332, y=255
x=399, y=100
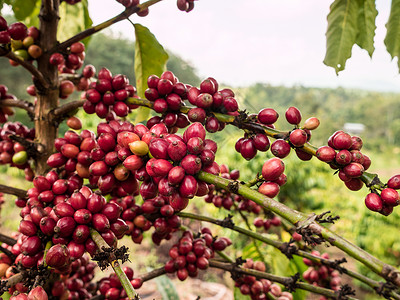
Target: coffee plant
x=135, y=180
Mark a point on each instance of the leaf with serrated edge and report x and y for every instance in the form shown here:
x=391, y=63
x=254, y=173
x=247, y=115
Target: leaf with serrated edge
x=366, y=25
x=73, y=19
x=150, y=58
x=341, y=33
x=392, y=39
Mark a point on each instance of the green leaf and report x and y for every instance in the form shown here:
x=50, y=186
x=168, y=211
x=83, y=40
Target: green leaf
x=23, y=8
x=73, y=19
x=392, y=39
x=6, y=296
x=150, y=58
x=341, y=33
x=32, y=19
x=366, y=25
x=166, y=288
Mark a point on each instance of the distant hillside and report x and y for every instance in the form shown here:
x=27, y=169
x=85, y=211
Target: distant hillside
x=379, y=112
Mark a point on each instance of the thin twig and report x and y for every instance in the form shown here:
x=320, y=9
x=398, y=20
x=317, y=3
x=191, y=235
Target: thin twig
x=92, y=30
x=12, y=191
x=30, y=67
x=26, y=105
x=63, y=110
x=8, y=240
x=152, y=274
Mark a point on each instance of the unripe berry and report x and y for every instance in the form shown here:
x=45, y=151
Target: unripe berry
x=311, y=123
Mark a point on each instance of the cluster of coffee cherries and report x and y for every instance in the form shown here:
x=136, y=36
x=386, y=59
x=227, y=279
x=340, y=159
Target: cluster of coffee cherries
x=71, y=60
x=63, y=211
x=100, y=159
x=266, y=223
x=251, y=143
x=12, y=152
x=108, y=94
x=5, y=263
x=258, y=289
x=185, y=5
x=208, y=100
x=223, y=198
x=22, y=40
x=78, y=284
x=130, y=3
x=343, y=153
x=192, y=254
x=383, y=200
x=158, y=212
x=36, y=293
x=110, y=287
x=67, y=87
x=321, y=275
x=5, y=111
x=272, y=173
x=168, y=95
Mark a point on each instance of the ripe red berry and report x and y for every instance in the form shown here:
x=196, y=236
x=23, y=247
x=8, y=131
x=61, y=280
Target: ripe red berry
x=394, y=182
x=272, y=169
x=390, y=197
x=373, y=202
x=293, y=115
x=326, y=153
x=280, y=148
x=267, y=116
x=298, y=137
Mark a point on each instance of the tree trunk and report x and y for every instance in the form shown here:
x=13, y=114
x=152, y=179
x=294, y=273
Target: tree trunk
x=47, y=98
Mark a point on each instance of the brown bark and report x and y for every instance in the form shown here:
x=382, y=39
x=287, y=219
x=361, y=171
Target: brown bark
x=47, y=98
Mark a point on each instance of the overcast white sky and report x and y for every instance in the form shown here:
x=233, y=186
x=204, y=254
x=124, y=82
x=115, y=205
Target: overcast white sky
x=272, y=41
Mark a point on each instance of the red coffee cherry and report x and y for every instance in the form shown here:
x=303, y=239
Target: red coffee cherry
x=298, y=137
x=293, y=115
x=280, y=148
x=267, y=116
x=390, y=197
x=394, y=182
x=373, y=202
x=326, y=153
x=272, y=169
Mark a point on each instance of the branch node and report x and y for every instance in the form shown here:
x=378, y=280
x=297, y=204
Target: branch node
x=288, y=249
x=107, y=255
x=310, y=231
x=344, y=291
x=325, y=218
x=291, y=284
x=227, y=222
x=336, y=264
x=239, y=261
x=233, y=186
x=385, y=289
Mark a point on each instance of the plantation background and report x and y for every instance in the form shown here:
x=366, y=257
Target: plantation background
x=311, y=186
